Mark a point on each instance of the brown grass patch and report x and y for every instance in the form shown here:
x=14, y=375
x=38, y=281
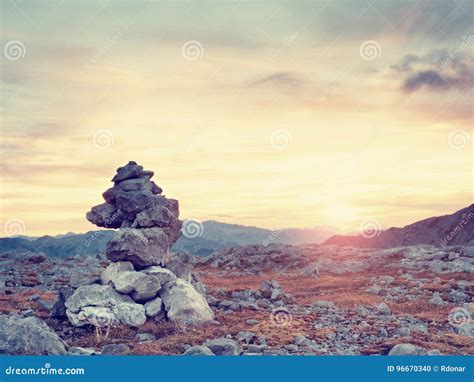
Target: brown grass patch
x=18, y=302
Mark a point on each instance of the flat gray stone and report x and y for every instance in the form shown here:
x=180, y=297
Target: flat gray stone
x=224, y=346
x=403, y=349
x=184, y=304
x=198, y=350
x=28, y=336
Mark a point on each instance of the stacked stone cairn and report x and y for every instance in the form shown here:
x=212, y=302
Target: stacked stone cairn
x=144, y=279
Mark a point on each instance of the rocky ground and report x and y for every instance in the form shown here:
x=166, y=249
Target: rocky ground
x=276, y=299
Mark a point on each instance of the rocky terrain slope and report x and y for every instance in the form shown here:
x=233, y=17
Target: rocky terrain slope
x=440, y=231
x=305, y=300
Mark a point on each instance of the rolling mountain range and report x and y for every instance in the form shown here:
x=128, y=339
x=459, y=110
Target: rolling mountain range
x=215, y=235
x=440, y=231
x=454, y=229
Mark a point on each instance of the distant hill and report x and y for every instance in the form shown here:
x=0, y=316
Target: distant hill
x=454, y=229
x=90, y=243
x=215, y=235
x=245, y=235
x=440, y=231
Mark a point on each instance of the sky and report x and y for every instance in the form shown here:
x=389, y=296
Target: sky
x=266, y=113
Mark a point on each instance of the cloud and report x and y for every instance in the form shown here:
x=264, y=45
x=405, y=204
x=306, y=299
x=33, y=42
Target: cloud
x=283, y=79
x=409, y=62
x=429, y=78
x=434, y=80
x=438, y=70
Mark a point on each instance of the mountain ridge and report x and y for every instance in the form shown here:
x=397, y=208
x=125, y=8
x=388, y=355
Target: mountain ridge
x=215, y=235
x=439, y=231
x=450, y=229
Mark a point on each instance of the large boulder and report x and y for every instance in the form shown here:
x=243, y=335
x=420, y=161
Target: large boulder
x=109, y=195
x=92, y=315
x=133, y=202
x=59, y=309
x=164, y=275
x=142, y=209
x=94, y=295
x=130, y=313
x=138, y=184
x=403, y=349
x=105, y=215
x=125, y=282
x=158, y=216
x=140, y=286
x=113, y=270
x=178, y=267
x=198, y=350
x=142, y=248
x=224, y=346
x=28, y=336
x=184, y=304
x=146, y=288
x=124, y=313
x=96, y=302
x=154, y=307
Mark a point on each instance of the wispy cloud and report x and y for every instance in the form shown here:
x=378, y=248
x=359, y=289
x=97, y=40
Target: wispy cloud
x=438, y=70
x=284, y=79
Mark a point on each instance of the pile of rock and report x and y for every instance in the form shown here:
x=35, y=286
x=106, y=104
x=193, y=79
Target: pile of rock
x=144, y=280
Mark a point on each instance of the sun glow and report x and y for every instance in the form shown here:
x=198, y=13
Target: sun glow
x=341, y=215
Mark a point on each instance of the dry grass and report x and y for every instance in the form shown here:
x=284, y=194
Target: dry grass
x=346, y=291
x=422, y=309
x=18, y=302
